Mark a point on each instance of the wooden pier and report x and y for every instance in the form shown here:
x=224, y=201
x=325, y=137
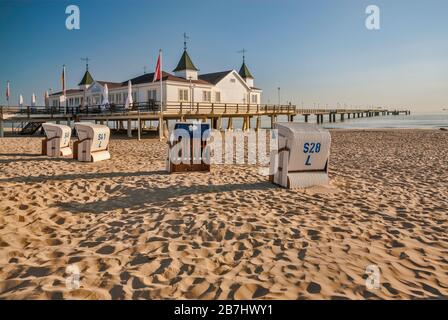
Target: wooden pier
x=213, y=112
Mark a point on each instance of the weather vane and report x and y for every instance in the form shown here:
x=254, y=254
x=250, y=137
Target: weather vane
x=86, y=59
x=243, y=51
x=185, y=40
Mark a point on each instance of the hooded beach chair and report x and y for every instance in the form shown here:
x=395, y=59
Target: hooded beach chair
x=303, y=156
x=93, y=142
x=57, y=140
x=187, y=147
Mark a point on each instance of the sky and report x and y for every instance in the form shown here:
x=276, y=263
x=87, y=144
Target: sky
x=319, y=52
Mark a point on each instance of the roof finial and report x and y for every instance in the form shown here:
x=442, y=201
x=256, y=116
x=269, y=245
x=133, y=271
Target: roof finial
x=86, y=59
x=185, y=41
x=243, y=51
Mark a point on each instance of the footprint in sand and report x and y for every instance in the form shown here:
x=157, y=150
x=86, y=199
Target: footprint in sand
x=137, y=284
x=23, y=207
x=60, y=221
x=106, y=250
x=313, y=288
x=117, y=292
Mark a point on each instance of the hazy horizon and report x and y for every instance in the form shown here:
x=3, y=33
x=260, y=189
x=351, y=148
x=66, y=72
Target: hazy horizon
x=316, y=51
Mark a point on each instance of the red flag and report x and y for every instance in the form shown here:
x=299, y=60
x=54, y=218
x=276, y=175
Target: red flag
x=8, y=93
x=158, y=72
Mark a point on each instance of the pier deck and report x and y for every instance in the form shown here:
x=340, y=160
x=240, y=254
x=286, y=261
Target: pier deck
x=214, y=112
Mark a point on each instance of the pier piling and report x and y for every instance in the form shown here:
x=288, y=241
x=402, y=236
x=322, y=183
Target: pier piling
x=129, y=128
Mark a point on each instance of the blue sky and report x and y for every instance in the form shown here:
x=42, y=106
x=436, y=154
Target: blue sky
x=317, y=51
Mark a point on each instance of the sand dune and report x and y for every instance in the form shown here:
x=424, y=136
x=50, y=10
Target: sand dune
x=136, y=232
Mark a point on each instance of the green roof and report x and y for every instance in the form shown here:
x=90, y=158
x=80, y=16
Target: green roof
x=185, y=63
x=87, y=79
x=244, y=72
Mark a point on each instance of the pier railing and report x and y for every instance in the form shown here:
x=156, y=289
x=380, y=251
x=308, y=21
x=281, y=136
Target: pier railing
x=179, y=108
x=226, y=108
x=79, y=110
x=154, y=107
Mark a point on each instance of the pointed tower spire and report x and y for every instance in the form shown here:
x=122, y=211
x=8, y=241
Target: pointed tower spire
x=244, y=70
x=186, y=68
x=185, y=63
x=87, y=79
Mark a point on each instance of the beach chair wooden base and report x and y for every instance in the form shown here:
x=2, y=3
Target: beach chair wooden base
x=44, y=147
x=63, y=152
x=75, y=150
x=94, y=156
x=187, y=165
x=182, y=167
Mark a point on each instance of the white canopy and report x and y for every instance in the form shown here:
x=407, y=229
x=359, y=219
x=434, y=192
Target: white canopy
x=129, y=101
x=33, y=100
x=47, y=98
x=105, y=102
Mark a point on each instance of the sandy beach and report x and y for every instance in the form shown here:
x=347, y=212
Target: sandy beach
x=136, y=232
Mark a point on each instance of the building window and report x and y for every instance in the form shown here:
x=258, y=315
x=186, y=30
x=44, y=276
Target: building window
x=217, y=96
x=254, y=98
x=118, y=97
x=134, y=97
x=232, y=80
x=111, y=98
x=76, y=101
x=183, y=95
x=206, y=96
x=152, y=95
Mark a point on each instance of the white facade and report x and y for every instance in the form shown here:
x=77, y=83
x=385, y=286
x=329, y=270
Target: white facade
x=187, y=74
x=235, y=90
x=184, y=86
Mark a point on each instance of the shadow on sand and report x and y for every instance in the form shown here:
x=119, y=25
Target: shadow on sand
x=21, y=155
x=138, y=198
x=83, y=176
x=41, y=159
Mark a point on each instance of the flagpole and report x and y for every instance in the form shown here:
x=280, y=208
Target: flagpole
x=161, y=99
x=65, y=96
x=9, y=92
